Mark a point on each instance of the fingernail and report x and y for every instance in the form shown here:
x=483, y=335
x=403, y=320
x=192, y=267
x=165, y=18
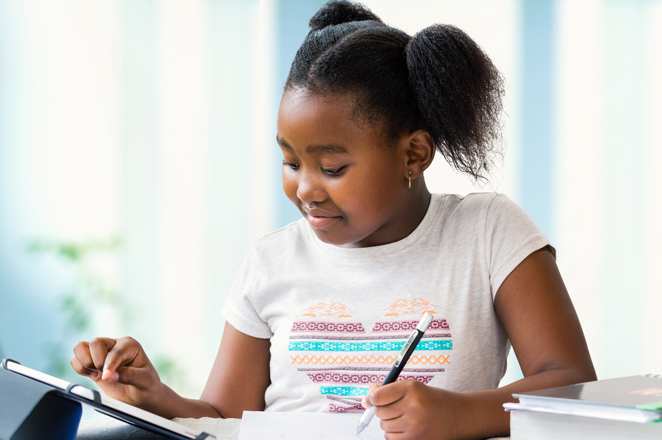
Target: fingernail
x=94, y=374
x=106, y=375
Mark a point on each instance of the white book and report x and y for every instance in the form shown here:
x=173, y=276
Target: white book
x=621, y=408
x=529, y=425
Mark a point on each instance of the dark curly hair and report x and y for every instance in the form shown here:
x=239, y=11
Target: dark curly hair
x=438, y=80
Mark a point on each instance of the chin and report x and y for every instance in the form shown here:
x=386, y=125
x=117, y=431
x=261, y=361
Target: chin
x=333, y=239
x=329, y=238
x=338, y=240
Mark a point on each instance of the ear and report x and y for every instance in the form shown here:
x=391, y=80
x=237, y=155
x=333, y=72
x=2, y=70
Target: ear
x=419, y=150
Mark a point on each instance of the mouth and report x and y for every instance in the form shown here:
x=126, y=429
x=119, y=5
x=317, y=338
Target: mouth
x=320, y=219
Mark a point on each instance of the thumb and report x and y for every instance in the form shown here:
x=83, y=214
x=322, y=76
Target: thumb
x=366, y=399
x=114, y=360
x=137, y=377
x=125, y=352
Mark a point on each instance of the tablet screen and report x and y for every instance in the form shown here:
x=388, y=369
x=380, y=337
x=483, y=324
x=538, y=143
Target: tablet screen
x=116, y=407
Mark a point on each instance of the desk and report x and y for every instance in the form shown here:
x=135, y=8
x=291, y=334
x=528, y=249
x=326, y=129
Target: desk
x=224, y=429
x=110, y=429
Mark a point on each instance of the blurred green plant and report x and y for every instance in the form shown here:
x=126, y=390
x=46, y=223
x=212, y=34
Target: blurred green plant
x=91, y=290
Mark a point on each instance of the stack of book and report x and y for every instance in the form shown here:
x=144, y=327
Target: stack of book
x=622, y=408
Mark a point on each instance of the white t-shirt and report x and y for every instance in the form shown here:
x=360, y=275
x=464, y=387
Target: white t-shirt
x=338, y=317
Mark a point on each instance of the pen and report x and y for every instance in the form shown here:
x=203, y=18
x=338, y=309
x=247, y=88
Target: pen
x=399, y=364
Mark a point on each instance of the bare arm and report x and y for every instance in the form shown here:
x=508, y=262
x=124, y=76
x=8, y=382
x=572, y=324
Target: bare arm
x=238, y=380
x=536, y=311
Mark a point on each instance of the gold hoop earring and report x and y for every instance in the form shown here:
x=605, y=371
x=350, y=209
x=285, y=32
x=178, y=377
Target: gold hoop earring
x=409, y=178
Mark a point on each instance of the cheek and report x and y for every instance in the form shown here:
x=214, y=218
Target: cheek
x=371, y=195
x=290, y=186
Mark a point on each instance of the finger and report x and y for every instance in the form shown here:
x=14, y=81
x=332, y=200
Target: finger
x=137, y=377
x=99, y=350
x=122, y=354
x=388, y=394
x=80, y=369
x=395, y=436
x=392, y=427
x=391, y=411
x=402, y=427
x=82, y=353
x=366, y=400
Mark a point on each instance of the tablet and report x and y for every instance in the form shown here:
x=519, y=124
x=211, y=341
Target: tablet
x=109, y=406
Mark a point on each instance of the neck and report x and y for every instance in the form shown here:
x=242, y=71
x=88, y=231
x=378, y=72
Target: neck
x=416, y=207
x=406, y=217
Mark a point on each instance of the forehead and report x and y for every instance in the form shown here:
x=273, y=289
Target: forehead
x=307, y=119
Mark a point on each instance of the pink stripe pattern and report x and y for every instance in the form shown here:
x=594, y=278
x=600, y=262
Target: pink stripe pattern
x=373, y=369
x=366, y=338
x=333, y=408
x=407, y=326
x=360, y=379
x=327, y=327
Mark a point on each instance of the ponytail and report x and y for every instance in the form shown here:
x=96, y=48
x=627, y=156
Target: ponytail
x=458, y=92
x=439, y=80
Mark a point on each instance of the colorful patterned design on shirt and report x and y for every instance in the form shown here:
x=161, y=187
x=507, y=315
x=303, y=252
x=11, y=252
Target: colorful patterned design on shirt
x=333, y=408
x=328, y=310
x=344, y=391
x=386, y=360
x=352, y=404
x=372, y=369
x=360, y=379
x=338, y=356
x=327, y=327
x=410, y=307
x=408, y=326
x=367, y=346
x=367, y=338
x=441, y=359
x=348, y=400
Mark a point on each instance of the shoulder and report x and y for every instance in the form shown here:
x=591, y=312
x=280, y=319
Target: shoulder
x=482, y=214
x=473, y=205
x=282, y=242
x=494, y=211
x=295, y=230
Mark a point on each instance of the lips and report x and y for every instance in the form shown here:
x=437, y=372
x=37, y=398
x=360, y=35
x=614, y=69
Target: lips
x=319, y=218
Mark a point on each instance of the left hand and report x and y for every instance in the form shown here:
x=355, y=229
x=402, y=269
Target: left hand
x=411, y=410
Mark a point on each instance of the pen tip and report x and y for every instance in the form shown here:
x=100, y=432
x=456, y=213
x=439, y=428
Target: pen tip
x=360, y=428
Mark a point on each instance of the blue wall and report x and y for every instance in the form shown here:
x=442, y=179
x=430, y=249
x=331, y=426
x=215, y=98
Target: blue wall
x=537, y=113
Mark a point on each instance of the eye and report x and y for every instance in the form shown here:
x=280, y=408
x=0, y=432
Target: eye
x=334, y=172
x=294, y=166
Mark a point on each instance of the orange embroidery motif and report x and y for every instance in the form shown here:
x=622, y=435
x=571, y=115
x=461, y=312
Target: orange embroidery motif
x=440, y=359
x=328, y=310
x=410, y=307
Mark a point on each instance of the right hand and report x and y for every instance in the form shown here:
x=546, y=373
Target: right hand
x=121, y=369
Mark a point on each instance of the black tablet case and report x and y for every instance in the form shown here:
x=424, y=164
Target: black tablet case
x=31, y=410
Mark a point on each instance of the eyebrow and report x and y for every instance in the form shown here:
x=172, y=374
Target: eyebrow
x=329, y=148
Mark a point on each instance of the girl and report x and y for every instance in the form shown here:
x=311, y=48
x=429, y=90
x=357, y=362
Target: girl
x=321, y=307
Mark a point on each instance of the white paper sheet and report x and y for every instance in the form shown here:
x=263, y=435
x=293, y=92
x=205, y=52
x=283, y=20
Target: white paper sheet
x=305, y=426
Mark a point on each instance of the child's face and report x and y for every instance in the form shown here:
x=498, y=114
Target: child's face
x=345, y=180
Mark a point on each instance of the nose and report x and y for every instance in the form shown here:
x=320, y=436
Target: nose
x=310, y=190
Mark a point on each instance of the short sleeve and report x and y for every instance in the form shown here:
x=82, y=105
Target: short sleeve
x=510, y=237
x=240, y=310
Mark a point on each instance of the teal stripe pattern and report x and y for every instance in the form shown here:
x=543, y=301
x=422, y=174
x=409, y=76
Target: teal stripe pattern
x=344, y=391
x=366, y=346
